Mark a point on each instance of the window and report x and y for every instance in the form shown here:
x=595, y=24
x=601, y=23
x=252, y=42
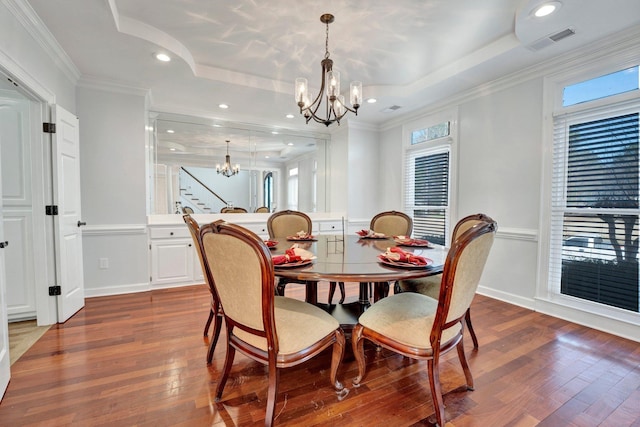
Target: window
x=427, y=182
x=267, y=190
x=292, y=189
x=595, y=200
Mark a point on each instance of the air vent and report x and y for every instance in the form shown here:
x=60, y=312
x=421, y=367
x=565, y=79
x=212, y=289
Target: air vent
x=391, y=109
x=551, y=39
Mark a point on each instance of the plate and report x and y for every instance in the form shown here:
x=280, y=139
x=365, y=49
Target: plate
x=374, y=237
x=400, y=264
x=412, y=244
x=294, y=264
x=301, y=239
x=271, y=244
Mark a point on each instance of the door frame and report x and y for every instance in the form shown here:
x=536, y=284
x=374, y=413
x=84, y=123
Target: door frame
x=40, y=101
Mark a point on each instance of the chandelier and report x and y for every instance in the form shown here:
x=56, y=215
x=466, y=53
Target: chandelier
x=226, y=169
x=334, y=105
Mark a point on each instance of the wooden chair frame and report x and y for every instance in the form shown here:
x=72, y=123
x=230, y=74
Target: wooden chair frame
x=272, y=358
x=216, y=311
x=440, y=323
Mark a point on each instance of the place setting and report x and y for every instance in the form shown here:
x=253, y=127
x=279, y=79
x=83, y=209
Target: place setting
x=408, y=241
x=398, y=258
x=302, y=236
x=370, y=234
x=293, y=257
x=271, y=244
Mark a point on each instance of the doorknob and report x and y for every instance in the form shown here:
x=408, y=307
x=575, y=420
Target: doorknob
x=80, y=223
x=3, y=244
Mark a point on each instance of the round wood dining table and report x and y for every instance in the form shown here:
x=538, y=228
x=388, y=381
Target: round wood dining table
x=354, y=259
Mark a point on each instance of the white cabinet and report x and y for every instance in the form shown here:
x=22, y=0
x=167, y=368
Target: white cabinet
x=174, y=260
x=328, y=227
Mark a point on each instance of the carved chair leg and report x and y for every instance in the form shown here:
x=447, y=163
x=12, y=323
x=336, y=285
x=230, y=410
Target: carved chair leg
x=332, y=290
x=228, y=362
x=206, y=326
x=467, y=318
x=465, y=366
x=217, y=326
x=272, y=393
x=342, y=292
x=358, y=351
x=336, y=357
x=436, y=391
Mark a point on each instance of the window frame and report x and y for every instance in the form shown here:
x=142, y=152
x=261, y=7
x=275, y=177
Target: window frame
x=448, y=143
x=551, y=245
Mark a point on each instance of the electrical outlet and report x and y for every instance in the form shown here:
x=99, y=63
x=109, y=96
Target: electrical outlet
x=104, y=263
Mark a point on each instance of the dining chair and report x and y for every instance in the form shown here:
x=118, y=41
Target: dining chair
x=215, y=311
x=392, y=223
x=262, y=209
x=430, y=286
x=389, y=223
x=425, y=328
x=277, y=331
x=288, y=223
x=187, y=210
x=233, y=210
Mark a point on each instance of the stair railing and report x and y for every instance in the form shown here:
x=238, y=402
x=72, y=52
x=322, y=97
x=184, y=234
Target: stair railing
x=204, y=188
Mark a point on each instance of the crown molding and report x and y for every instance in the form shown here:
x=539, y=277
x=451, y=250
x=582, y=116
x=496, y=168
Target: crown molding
x=622, y=45
x=105, y=85
x=31, y=22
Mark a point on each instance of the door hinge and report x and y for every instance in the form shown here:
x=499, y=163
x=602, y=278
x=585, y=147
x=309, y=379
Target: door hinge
x=51, y=209
x=49, y=127
x=55, y=290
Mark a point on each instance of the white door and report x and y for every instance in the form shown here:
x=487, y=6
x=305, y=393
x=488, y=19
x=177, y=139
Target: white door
x=5, y=373
x=67, y=224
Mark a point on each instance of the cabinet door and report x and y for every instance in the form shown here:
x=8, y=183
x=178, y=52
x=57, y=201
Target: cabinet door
x=172, y=261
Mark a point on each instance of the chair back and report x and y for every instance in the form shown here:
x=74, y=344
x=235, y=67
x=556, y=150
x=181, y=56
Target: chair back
x=467, y=222
x=392, y=223
x=287, y=223
x=194, y=229
x=262, y=209
x=187, y=210
x=242, y=273
x=462, y=271
x=233, y=210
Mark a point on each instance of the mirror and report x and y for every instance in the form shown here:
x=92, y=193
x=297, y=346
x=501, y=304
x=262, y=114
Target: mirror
x=278, y=169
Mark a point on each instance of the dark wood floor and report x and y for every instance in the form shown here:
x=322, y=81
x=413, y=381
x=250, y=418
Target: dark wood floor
x=139, y=360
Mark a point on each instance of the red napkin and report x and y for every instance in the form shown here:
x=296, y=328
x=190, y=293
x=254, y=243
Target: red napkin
x=397, y=254
x=289, y=256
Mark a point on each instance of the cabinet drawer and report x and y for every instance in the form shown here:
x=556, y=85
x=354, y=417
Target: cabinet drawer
x=330, y=227
x=169, y=232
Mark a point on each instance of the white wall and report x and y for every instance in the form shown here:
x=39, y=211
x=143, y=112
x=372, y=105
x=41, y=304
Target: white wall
x=112, y=167
x=364, y=173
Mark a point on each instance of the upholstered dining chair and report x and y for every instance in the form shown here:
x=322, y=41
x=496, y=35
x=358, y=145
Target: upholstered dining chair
x=215, y=312
x=187, y=210
x=421, y=327
x=392, y=223
x=288, y=223
x=277, y=331
x=430, y=286
x=262, y=209
x=233, y=210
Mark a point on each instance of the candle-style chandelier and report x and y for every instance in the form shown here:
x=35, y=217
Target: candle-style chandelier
x=335, y=107
x=226, y=169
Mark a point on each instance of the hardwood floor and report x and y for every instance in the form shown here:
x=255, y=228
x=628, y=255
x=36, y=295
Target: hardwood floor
x=139, y=359
x=22, y=335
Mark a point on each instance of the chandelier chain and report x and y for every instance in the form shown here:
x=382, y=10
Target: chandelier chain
x=326, y=43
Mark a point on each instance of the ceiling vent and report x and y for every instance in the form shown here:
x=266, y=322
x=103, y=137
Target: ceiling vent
x=551, y=39
x=391, y=109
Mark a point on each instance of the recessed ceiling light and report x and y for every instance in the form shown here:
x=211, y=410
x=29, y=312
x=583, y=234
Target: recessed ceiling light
x=546, y=8
x=163, y=57
x=172, y=149
x=217, y=126
x=170, y=131
x=290, y=144
x=266, y=157
x=289, y=116
x=274, y=132
x=372, y=100
x=223, y=106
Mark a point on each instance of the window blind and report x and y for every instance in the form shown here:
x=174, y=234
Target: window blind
x=427, y=192
x=595, y=215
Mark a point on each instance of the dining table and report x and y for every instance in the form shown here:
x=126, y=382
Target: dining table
x=351, y=258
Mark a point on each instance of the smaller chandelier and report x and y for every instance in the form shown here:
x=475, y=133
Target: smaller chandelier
x=226, y=169
x=335, y=107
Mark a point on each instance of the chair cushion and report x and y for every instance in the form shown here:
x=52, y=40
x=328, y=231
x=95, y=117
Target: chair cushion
x=298, y=325
x=406, y=318
x=429, y=286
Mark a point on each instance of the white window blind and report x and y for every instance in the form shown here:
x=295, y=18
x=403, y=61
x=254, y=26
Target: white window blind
x=427, y=191
x=595, y=205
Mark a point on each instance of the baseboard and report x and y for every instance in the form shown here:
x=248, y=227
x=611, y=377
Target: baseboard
x=117, y=290
x=507, y=297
